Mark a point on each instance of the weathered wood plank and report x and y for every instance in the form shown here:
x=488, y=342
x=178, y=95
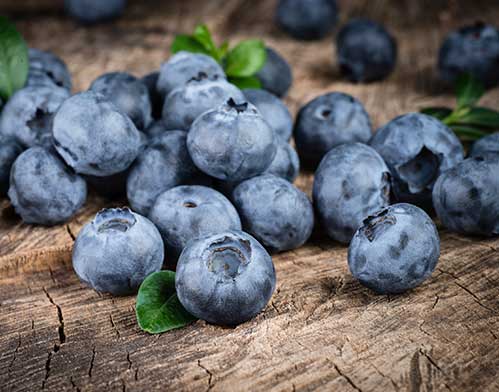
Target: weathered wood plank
x=322, y=330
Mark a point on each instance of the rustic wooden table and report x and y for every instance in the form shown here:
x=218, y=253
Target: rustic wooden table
x=322, y=329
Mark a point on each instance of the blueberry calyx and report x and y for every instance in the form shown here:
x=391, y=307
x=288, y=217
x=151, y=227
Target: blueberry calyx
x=226, y=256
x=190, y=204
x=239, y=107
x=199, y=77
x=375, y=224
x=118, y=219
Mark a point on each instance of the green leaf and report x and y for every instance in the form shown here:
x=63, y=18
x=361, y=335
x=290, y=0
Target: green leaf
x=468, y=90
x=223, y=49
x=187, y=43
x=158, y=308
x=14, y=62
x=482, y=117
x=246, y=82
x=437, y=112
x=245, y=59
x=203, y=36
x=468, y=133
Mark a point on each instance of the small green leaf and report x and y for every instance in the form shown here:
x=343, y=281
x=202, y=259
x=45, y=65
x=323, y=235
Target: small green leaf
x=223, y=49
x=203, y=36
x=246, y=59
x=468, y=133
x=158, y=308
x=468, y=90
x=437, y=112
x=187, y=43
x=482, y=117
x=246, y=82
x=14, y=62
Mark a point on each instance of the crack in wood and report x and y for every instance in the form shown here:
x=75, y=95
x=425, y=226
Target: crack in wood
x=128, y=360
x=60, y=329
x=70, y=232
x=477, y=300
x=15, y=353
x=346, y=377
x=114, y=325
x=210, y=374
x=91, y=367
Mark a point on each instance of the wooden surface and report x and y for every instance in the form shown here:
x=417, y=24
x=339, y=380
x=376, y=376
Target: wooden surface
x=322, y=329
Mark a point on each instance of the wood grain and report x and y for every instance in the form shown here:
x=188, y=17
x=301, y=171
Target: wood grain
x=322, y=330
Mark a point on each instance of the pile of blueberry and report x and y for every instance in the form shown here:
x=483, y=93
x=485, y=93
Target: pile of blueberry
x=201, y=160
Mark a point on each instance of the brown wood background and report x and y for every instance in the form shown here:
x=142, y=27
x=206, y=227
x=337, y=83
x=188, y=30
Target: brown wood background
x=322, y=330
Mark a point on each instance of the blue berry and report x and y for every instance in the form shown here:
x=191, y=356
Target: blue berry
x=275, y=75
x=116, y=251
x=327, y=121
x=129, y=95
x=43, y=190
x=307, y=19
x=9, y=151
x=45, y=68
x=274, y=211
x=486, y=145
x=187, y=212
x=466, y=196
x=273, y=110
x=184, y=66
x=351, y=183
x=232, y=142
x=395, y=250
x=157, y=100
x=416, y=148
x=184, y=104
x=366, y=51
x=93, y=136
x=164, y=164
x=471, y=50
x=28, y=114
x=286, y=163
x=94, y=11
x=225, y=278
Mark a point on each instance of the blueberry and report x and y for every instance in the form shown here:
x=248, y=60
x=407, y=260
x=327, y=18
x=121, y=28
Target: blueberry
x=184, y=104
x=157, y=100
x=232, y=142
x=286, y=163
x=129, y=95
x=164, y=164
x=275, y=75
x=416, y=148
x=28, y=114
x=116, y=251
x=466, y=196
x=366, y=51
x=9, y=151
x=395, y=250
x=94, y=11
x=486, y=145
x=184, y=66
x=307, y=19
x=43, y=190
x=225, y=278
x=47, y=69
x=351, y=183
x=327, y=121
x=273, y=210
x=273, y=110
x=93, y=136
x=187, y=212
x=471, y=49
